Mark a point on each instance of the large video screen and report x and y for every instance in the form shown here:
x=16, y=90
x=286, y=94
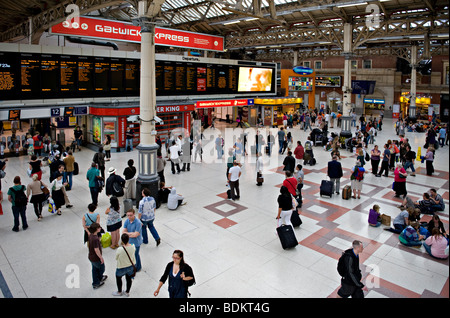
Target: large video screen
x=255, y=79
x=36, y=76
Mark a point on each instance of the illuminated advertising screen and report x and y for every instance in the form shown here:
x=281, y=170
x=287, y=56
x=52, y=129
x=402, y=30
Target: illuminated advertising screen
x=255, y=79
x=328, y=81
x=300, y=84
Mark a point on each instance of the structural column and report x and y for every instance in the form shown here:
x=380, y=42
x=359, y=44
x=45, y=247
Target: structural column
x=347, y=85
x=413, y=94
x=147, y=174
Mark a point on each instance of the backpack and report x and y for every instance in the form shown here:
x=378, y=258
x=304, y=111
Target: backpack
x=117, y=189
x=20, y=199
x=341, y=265
x=358, y=174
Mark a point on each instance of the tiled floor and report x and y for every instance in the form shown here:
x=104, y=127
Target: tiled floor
x=232, y=246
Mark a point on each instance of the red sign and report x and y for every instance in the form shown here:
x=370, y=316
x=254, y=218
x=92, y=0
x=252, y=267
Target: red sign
x=122, y=31
x=174, y=108
x=222, y=103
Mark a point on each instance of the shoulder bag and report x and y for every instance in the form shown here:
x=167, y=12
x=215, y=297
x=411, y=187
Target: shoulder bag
x=134, y=267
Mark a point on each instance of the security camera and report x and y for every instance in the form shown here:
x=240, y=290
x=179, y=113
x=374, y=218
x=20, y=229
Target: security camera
x=133, y=118
x=158, y=120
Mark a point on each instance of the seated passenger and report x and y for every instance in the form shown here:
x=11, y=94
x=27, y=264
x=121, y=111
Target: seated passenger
x=410, y=235
x=425, y=205
x=174, y=200
x=438, y=201
x=375, y=216
x=436, y=244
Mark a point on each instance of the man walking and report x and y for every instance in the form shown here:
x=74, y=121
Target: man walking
x=348, y=267
x=95, y=256
x=335, y=173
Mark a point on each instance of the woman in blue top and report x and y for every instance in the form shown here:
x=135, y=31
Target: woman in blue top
x=180, y=276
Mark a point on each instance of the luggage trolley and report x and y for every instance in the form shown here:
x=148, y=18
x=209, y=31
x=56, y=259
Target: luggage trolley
x=318, y=139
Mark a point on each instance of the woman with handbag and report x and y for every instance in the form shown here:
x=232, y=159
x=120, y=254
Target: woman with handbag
x=88, y=218
x=39, y=193
x=400, y=181
x=125, y=265
x=57, y=193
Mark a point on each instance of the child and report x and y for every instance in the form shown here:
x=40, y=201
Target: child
x=375, y=216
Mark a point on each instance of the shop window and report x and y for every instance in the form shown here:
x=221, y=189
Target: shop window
x=318, y=65
x=367, y=63
x=306, y=64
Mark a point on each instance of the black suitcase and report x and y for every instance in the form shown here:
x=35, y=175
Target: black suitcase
x=76, y=168
x=295, y=219
x=287, y=236
x=326, y=188
x=313, y=161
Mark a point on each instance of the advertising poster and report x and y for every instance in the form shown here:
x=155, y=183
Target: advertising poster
x=109, y=128
x=97, y=130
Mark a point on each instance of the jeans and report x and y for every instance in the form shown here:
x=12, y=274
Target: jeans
x=68, y=177
x=409, y=164
x=129, y=142
x=97, y=272
x=152, y=229
x=19, y=211
x=94, y=195
x=281, y=143
x=306, y=125
x=138, y=258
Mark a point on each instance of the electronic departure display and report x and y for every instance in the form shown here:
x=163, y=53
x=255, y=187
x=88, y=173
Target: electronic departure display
x=35, y=76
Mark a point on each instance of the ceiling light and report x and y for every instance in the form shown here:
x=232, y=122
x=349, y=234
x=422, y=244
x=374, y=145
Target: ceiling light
x=352, y=4
x=231, y=22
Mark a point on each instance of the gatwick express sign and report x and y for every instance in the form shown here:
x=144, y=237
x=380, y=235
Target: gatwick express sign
x=121, y=31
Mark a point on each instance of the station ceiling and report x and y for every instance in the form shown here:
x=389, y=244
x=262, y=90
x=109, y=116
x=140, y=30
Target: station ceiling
x=257, y=25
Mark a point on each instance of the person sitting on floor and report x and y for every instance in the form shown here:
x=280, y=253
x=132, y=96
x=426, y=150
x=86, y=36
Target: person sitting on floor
x=410, y=235
x=436, y=244
x=425, y=205
x=375, y=216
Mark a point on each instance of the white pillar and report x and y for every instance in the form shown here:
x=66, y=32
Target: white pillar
x=347, y=82
x=412, y=100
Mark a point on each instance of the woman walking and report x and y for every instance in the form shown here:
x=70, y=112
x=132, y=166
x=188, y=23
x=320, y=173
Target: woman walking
x=35, y=188
x=57, y=192
x=180, y=277
x=429, y=158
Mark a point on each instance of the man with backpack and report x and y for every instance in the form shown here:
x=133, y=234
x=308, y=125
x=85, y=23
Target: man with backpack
x=19, y=201
x=146, y=214
x=348, y=268
x=114, y=185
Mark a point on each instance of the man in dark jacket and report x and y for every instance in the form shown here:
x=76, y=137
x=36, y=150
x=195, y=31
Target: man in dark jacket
x=289, y=163
x=114, y=184
x=351, y=281
x=335, y=173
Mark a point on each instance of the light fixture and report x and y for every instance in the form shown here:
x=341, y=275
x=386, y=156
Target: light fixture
x=351, y=4
x=231, y=22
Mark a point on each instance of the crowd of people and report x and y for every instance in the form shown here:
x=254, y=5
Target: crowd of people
x=396, y=158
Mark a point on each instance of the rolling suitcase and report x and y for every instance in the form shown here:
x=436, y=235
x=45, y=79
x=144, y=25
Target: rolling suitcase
x=76, y=168
x=287, y=236
x=295, y=218
x=347, y=192
x=326, y=188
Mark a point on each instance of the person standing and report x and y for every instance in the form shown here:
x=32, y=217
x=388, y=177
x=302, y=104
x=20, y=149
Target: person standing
x=35, y=166
x=351, y=275
x=114, y=184
x=57, y=194
x=69, y=163
x=307, y=122
x=18, y=199
x=160, y=165
x=289, y=162
x=133, y=227
x=125, y=265
x=107, y=147
x=186, y=154
x=410, y=156
x=174, y=151
x=129, y=135
x=281, y=139
x=259, y=169
x=233, y=178
x=335, y=173
x=385, y=162
x=95, y=256
x=130, y=180
x=299, y=152
x=180, y=275
x=88, y=218
x=300, y=176
x=92, y=174
x=146, y=214
x=99, y=159
x=375, y=156
x=78, y=134
x=356, y=178
x=429, y=158
x=219, y=146
x=114, y=221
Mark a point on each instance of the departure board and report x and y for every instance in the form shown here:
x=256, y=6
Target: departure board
x=169, y=76
x=101, y=78
x=50, y=75
x=132, y=72
x=40, y=76
x=85, y=75
x=117, y=75
x=180, y=77
x=69, y=73
x=9, y=76
x=30, y=67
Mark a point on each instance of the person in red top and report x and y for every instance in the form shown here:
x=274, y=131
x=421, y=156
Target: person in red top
x=38, y=144
x=400, y=181
x=299, y=151
x=291, y=183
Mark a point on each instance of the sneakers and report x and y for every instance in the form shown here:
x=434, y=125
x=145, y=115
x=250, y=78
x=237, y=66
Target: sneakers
x=116, y=293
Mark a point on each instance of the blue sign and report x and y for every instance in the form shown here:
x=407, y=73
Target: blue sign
x=250, y=101
x=303, y=70
x=55, y=112
x=78, y=111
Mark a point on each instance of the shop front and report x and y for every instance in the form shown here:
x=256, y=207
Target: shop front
x=271, y=110
x=373, y=106
x=114, y=121
x=423, y=101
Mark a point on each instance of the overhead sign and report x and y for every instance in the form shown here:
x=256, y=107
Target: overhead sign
x=224, y=103
x=174, y=108
x=122, y=31
x=303, y=70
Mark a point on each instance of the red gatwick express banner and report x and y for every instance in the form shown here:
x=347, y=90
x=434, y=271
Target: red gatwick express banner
x=222, y=103
x=122, y=31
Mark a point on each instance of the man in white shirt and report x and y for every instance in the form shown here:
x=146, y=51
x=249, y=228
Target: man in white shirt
x=233, y=178
x=174, y=157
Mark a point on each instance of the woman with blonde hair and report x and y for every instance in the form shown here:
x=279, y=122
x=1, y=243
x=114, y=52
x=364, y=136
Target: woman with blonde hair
x=375, y=216
x=35, y=188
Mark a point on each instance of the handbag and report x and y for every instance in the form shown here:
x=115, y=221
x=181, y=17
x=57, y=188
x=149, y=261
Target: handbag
x=134, y=267
x=45, y=190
